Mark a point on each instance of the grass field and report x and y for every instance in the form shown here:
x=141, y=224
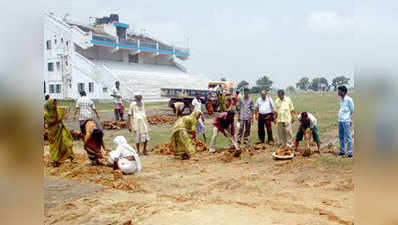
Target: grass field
x=324, y=108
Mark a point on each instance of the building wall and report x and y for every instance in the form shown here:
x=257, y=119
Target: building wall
x=164, y=59
x=121, y=55
x=110, y=29
x=101, y=53
x=125, y=55
x=150, y=58
x=80, y=77
x=58, y=47
x=68, y=69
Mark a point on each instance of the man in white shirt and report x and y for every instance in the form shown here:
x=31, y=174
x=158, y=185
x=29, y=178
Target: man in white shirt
x=84, y=107
x=265, y=116
x=197, y=105
x=118, y=107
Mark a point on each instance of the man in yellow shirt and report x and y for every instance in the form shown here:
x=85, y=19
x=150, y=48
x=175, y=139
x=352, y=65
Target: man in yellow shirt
x=284, y=114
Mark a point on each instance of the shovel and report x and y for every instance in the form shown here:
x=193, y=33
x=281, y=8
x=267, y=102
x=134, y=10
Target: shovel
x=232, y=140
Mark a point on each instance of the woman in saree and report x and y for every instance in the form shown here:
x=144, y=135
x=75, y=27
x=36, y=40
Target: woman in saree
x=180, y=141
x=138, y=123
x=222, y=101
x=60, y=139
x=93, y=141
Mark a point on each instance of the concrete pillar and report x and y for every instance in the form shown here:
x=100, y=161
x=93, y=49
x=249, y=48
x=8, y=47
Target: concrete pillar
x=125, y=55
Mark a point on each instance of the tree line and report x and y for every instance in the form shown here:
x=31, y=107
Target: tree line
x=304, y=84
x=321, y=83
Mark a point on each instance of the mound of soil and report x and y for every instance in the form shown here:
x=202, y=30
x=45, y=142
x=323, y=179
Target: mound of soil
x=82, y=170
x=285, y=151
x=110, y=125
x=160, y=119
x=165, y=149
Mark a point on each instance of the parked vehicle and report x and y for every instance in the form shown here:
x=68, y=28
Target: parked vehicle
x=187, y=95
x=183, y=95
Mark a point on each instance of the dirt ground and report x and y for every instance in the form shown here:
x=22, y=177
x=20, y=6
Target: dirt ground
x=254, y=189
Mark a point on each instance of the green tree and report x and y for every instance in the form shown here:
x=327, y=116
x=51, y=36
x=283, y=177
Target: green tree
x=315, y=84
x=263, y=83
x=319, y=84
x=241, y=84
x=303, y=84
x=223, y=79
x=340, y=80
x=290, y=89
x=323, y=84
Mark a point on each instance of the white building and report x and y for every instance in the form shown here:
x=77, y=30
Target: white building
x=92, y=57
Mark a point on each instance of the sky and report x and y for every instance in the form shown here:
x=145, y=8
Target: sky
x=241, y=40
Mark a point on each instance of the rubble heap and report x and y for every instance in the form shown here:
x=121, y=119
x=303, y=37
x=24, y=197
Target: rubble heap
x=165, y=149
x=160, y=119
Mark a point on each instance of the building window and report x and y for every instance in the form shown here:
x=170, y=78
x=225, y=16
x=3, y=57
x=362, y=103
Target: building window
x=62, y=40
x=50, y=67
x=51, y=88
x=69, y=82
x=58, y=66
x=66, y=60
x=58, y=88
x=105, y=89
x=55, y=41
x=67, y=43
x=48, y=44
x=91, y=87
x=80, y=87
x=44, y=87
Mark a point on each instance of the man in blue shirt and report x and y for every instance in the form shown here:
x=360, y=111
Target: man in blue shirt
x=345, y=122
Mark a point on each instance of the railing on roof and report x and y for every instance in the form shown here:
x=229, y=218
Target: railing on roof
x=128, y=41
x=146, y=44
x=165, y=47
x=104, y=38
x=137, y=44
x=182, y=50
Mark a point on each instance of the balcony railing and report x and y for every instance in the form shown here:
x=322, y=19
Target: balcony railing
x=165, y=47
x=104, y=38
x=182, y=50
x=148, y=44
x=141, y=45
x=129, y=42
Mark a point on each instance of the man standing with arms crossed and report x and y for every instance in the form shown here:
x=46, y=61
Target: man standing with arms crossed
x=264, y=114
